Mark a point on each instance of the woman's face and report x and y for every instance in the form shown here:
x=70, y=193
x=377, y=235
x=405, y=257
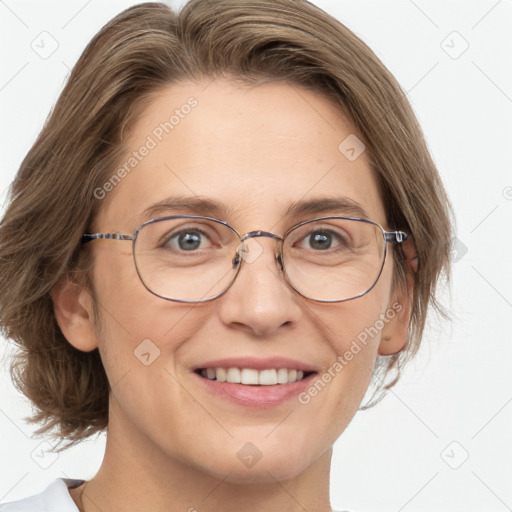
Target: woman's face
x=256, y=152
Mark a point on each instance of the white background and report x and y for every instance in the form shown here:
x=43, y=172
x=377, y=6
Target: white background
x=455, y=401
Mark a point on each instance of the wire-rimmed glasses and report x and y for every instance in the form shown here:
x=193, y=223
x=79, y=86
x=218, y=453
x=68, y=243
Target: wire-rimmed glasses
x=191, y=258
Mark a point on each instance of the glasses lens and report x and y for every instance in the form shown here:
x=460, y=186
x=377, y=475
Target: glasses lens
x=187, y=259
x=334, y=259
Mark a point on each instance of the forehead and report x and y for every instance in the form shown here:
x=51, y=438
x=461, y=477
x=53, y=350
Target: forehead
x=253, y=151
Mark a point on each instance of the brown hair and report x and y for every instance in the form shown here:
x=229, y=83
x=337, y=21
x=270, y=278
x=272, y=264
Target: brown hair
x=141, y=50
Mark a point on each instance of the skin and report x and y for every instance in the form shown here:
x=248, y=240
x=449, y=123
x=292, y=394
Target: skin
x=172, y=445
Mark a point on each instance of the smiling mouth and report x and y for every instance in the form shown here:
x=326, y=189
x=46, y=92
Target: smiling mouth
x=253, y=377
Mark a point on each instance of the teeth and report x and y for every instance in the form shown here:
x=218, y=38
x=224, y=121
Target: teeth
x=250, y=376
x=282, y=376
x=267, y=377
x=221, y=375
x=233, y=375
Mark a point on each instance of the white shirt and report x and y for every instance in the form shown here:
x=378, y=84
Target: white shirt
x=55, y=498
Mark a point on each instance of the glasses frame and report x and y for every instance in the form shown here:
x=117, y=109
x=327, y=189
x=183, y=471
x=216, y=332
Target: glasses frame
x=388, y=236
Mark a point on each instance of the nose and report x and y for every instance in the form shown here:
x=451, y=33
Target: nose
x=259, y=301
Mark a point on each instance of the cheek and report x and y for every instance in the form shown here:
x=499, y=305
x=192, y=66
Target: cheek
x=137, y=328
x=353, y=332
x=352, y=327
x=140, y=337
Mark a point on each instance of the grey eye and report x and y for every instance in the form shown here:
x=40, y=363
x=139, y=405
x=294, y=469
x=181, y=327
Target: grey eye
x=186, y=240
x=189, y=241
x=321, y=240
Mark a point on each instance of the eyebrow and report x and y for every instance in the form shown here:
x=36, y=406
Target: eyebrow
x=322, y=205
x=211, y=208
x=197, y=205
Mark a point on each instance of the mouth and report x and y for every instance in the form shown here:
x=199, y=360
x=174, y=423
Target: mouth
x=252, y=382
x=253, y=376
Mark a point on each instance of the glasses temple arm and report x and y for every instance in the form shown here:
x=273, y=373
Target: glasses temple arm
x=89, y=237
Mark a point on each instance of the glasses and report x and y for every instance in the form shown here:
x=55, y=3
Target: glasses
x=190, y=258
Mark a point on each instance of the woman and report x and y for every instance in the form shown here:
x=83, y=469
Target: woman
x=229, y=223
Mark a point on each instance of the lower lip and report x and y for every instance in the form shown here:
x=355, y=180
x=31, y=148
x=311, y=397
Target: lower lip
x=257, y=396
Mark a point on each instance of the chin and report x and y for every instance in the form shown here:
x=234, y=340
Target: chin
x=262, y=475
x=281, y=465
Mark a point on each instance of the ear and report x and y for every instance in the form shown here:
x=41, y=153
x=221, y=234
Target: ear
x=394, y=333
x=73, y=309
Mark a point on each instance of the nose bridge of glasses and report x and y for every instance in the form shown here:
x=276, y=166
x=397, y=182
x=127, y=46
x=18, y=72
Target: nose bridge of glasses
x=251, y=254
x=255, y=234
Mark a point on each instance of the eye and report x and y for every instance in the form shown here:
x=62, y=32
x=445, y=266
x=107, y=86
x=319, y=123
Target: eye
x=189, y=239
x=322, y=240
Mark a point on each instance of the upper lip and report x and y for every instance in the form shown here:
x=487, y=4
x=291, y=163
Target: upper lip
x=257, y=363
